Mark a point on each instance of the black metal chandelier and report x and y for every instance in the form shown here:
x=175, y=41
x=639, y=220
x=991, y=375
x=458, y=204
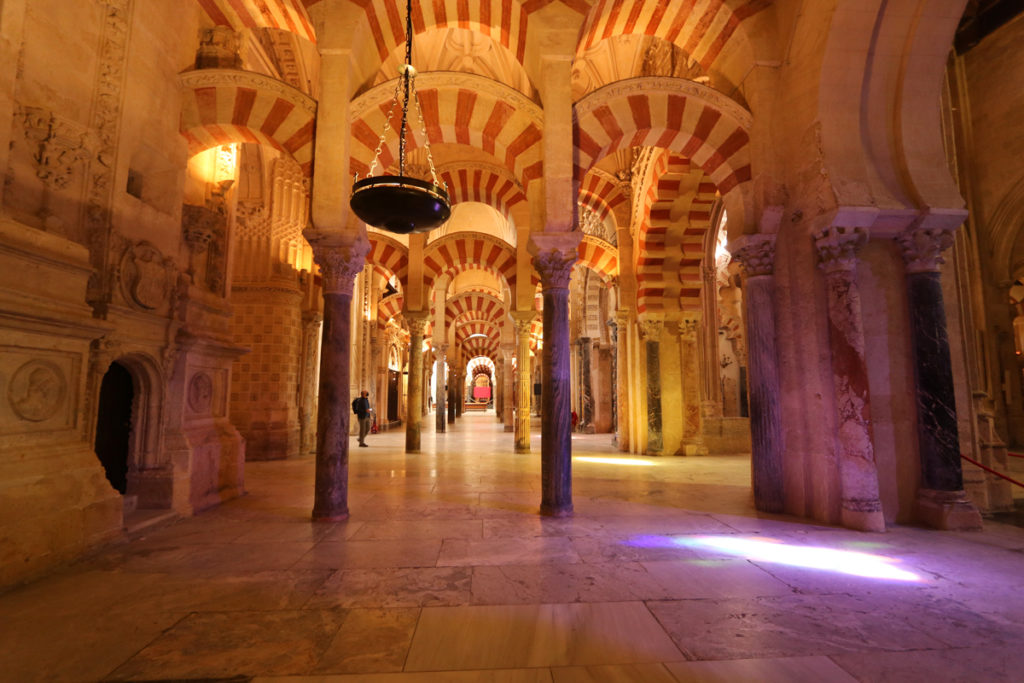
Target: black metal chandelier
x=401, y=204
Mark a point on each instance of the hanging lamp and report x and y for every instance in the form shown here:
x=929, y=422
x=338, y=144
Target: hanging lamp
x=401, y=204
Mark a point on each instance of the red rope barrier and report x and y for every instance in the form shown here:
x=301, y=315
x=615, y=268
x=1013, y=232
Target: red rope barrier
x=992, y=471
x=1014, y=455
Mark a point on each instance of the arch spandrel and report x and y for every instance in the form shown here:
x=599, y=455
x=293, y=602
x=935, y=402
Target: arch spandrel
x=285, y=15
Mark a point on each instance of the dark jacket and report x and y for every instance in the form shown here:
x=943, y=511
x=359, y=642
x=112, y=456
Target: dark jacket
x=361, y=407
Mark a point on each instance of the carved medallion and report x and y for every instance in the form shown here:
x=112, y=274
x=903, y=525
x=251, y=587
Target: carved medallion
x=200, y=392
x=143, y=276
x=37, y=390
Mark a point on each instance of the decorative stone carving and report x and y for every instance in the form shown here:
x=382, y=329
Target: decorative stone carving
x=838, y=246
x=417, y=322
x=204, y=78
x=37, y=390
x=218, y=48
x=922, y=248
x=339, y=264
x=554, y=255
x=200, y=392
x=145, y=276
x=755, y=252
x=650, y=330
x=61, y=145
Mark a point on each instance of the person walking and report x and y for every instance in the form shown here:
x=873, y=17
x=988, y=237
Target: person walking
x=361, y=407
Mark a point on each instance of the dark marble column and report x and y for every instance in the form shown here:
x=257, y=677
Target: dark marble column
x=440, y=395
x=554, y=256
x=508, y=403
x=614, y=327
x=498, y=387
x=941, y=500
x=650, y=334
x=693, y=437
x=339, y=266
x=417, y=321
x=861, y=506
x=711, y=380
x=622, y=377
x=586, y=385
x=524, y=322
x=460, y=392
x=757, y=254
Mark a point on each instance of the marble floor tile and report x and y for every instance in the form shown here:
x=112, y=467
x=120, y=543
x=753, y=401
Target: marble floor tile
x=964, y=665
x=534, y=550
x=488, y=676
x=395, y=587
x=698, y=578
x=370, y=640
x=615, y=673
x=224, y=644
x=417, y=529
x=454, y=638
x=777, y=670
x=563, y=583
x=363, y=554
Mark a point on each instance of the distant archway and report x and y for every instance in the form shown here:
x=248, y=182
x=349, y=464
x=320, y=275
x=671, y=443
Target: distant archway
x=114, y=425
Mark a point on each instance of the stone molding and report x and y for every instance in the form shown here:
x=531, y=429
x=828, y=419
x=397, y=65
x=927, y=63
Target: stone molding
x=838, y=246
x=647, y=85
x=207, y=78
x=922, y=248
x=756, y=253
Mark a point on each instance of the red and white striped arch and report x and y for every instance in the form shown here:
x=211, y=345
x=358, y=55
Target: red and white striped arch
x=599, y=256
x=454, y=253
x=652, y=255
x=703, y=29
x=480, y=346
x=286, y=15
x=223, y=106
x=496, y=189
x=484, y=306
x=698, y=222
x=389, y=255
x=468, y=329
x=460, y=109
x=388, y=308
x=601, y=194
x=685, y=118
x=503, y=20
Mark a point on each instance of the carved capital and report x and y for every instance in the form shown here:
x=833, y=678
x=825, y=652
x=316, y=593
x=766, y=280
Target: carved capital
x=417, y=322
x=650, y=330
x=688, y=329
x=340, y=264
x=554, y=255
x=922, y=248
x=755, y=252
x=838, y=246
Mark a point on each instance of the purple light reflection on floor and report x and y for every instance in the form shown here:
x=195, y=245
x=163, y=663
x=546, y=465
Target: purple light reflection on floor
x=853, y=563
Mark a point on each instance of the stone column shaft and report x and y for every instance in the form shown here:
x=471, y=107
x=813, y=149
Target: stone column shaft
x=941, y=501
x=614, y=380
x=586, y=384
x=622, y=378
x=339, y=266
x=417, y=321
x=861, y=506
x=757, y=254
x=693, y=438
x=508, y=403
x=524, y=322
x=650, y=332
x=440, y=395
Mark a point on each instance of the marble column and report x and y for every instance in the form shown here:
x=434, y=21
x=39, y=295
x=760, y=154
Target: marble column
x=508, y=404
x=757, y=255
x=524, y=322
x=861, y=505
x=498, y=388
x=650, y=333
x=941, y=500
x=614, y=327
x=622, y=378
x=586, y=415
x=339, y=266
x=417, y=321
x=693, y=438
x=311, y=322
x=460, y=392
x=711, y=403
x=440, y=395
x=554, y=256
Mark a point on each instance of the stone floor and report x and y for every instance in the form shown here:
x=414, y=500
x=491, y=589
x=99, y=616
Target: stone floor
x=446, y=573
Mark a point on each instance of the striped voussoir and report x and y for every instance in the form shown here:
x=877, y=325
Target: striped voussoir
x=601, y=193
x=599, y=256
x=685, y=118
x=388, y=308
x=388, y=255
x=480, y=346
x=497, y=190
x=653, y=285
x=224, y=106
x=466, y=330
x=286, y=15
x=482, y=306
x=457, y=252
x=701, y=28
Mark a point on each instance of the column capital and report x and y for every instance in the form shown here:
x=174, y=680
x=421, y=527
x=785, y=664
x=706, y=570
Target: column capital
x=341, y=259
x=650, y=330
x=417, y=321
x=523, y=320
x=688, y=329
x=922, y=248
x=755, y=252
x=554, y=255
x=622, y=317
x=838, y=246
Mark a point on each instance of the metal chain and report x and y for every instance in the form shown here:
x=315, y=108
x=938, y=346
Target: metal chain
x=426, y=140
x=384, y=132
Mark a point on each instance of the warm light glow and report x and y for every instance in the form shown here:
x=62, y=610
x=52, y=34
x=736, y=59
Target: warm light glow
x=616, y=461
x=853, y=563
x=225, y=163
x=478, y=334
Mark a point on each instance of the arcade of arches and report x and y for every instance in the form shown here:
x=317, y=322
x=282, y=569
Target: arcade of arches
x=784, y=229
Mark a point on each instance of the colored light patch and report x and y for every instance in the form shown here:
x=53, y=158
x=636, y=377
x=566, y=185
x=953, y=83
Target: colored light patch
x=616, y=461
x=811, y=557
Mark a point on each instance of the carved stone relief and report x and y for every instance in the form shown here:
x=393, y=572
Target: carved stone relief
x=37, y=390
x=59, y=146
x=145, y=276
x=200, y=392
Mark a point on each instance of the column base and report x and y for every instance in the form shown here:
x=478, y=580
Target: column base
x=522, y=449
x=336, y=517
x=549, y=511
x=692, y=449
x=862, y=520
x=947, y=510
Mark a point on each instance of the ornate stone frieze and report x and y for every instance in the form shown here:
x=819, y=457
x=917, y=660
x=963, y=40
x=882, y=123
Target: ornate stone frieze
x=37, y=390
x=61, y=146
x=838, y=246
x=922, y=248
x=755, y=252
x=651, y=84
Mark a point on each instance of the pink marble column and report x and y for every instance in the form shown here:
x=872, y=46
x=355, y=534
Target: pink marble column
x=553, y=257
x=757, y=255
x=339, y=266
x=941, y=500
x=861, y=506
x=524, y=322
x=440, y=395
x=417, y=321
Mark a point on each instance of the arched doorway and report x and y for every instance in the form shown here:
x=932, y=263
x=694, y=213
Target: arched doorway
x=114, y=424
